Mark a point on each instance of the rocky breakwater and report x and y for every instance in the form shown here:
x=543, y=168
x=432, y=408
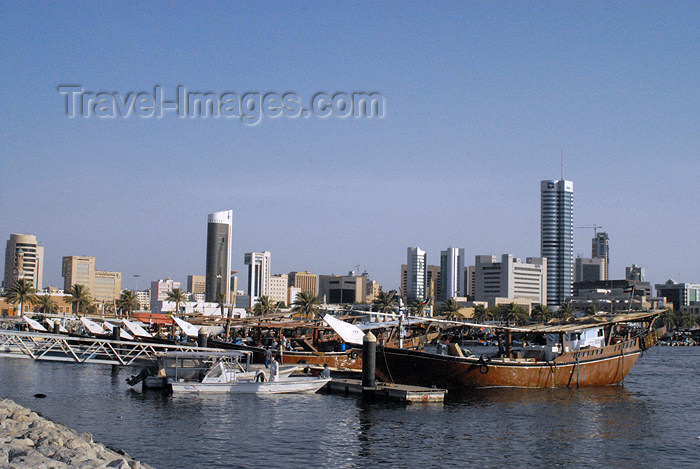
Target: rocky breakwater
x=28, y=440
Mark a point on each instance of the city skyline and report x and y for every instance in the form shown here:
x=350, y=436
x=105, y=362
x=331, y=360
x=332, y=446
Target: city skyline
x=454, y=161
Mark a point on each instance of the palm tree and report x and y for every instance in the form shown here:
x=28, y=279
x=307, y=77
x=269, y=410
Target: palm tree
x=265, y=305
x=541, y=313
x=416, y=308
x=566, y=311
x=78, y=295
x=178, y=297
x=669, y=318
x=46, y=304
x=451, y=308
x=306, y=303
x=482, y=314
x=515, y=314
x=127, y=302
x=386, y=302
x=22, y=291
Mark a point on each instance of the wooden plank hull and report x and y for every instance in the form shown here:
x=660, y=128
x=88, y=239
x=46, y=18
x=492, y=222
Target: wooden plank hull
x=591, y=367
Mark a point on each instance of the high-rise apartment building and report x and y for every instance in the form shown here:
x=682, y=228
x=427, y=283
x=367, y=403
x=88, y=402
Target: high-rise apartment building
x=416, y=262
x=557, y=238
x=24, y=259
x=218, y=268
x=470, y=281
x=258, y=275
x=160, y=290
x=635, y=272
x=103, y=285
x=589, y=270
x=144, y=299
x=601, y=250
x=305, y=281
x=77, y=270
x=432, y=281
x=197, y=284
x=510, y=278
x=278, y=288
x=451, y=274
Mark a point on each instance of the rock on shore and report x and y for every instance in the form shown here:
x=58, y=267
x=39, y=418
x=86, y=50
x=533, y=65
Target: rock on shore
x=28, y=440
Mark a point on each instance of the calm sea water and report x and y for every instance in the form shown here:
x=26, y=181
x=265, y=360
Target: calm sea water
x=652, y=421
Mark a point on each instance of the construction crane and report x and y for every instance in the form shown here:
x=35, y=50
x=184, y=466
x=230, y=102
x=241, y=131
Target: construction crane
x=594, y=227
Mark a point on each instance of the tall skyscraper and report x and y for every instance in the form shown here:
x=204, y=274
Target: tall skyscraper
x=258, y=275
x=601, y=250
x=416, y=261
x=452, y=273
x=557, y=238
x=218, y=255
x=24, y=259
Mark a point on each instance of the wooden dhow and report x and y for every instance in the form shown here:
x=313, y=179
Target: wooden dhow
x=598, y=353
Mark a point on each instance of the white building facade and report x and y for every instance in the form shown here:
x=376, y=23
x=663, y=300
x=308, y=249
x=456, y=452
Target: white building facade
x=416, y=262
x=24, y=259
x=510, y=278
x=452, y=274
x=557, y=238
x=258, y=274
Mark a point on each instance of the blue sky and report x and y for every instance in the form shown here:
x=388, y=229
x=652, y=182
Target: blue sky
x=480, y=99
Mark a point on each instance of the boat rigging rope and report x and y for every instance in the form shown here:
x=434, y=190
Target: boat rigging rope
x=391, y=378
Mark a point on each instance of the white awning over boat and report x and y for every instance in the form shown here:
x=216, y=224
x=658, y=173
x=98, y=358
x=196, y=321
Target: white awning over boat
x=34, y=324
x=93, y=327
x=135, y=329
x=189, y=329
x=122, y=333
x=348, y=332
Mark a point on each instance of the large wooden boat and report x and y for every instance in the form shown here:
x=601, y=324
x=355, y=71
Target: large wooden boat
x=596, y=354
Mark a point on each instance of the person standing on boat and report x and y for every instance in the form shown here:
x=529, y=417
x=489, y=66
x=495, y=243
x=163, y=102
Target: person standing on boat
x=268, y=357
x=274, y=369
x=326, y=372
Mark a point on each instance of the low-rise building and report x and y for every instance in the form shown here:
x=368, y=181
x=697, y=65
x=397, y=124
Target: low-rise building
x=510, y=280
x=680, y=294
x=351, y=288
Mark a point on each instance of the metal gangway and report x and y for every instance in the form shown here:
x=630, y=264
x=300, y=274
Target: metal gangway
x=65, y=348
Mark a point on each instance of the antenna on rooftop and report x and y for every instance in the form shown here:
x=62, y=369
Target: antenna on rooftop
x=562, y=165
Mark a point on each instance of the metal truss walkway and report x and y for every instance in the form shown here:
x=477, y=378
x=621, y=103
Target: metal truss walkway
x=62, y=348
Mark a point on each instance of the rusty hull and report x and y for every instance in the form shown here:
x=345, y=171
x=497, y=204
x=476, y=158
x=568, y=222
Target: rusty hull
x=590, y=367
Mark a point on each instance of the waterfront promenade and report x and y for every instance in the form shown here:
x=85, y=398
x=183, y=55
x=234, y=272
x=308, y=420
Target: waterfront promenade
x=31, y=441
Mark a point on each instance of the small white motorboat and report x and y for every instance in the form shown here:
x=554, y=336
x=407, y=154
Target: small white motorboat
x=227, y=375
x=223, y=378
x=194, y=368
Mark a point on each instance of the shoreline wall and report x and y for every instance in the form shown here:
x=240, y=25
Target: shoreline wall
x=28, y=440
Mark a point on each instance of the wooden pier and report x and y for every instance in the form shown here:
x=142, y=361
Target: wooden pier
x=386, y=391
